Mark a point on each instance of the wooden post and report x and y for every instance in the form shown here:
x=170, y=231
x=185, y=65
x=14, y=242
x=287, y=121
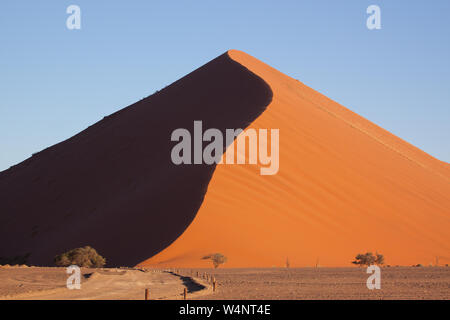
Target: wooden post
x=184, y=293
x=147, y=294
x=214, y=284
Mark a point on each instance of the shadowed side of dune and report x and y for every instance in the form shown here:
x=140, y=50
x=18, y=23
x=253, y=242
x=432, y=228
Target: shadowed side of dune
x=113, y=186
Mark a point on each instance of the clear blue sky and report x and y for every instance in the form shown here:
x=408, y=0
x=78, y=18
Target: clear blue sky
x=55, y=82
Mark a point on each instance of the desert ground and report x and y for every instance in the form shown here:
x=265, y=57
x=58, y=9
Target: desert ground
x=268, y=283
x=331, y=283
x=34, y=283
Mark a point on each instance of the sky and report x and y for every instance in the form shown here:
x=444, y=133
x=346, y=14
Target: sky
x=55, y=82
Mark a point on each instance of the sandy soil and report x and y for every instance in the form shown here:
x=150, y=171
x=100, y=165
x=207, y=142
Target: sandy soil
x=96, y=284
x=273, y=283
x=331, y=283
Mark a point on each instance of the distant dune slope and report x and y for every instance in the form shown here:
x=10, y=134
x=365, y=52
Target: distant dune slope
x=344, y=186
x=113, y=186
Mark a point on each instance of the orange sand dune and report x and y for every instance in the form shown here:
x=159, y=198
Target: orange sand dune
x=344, y=186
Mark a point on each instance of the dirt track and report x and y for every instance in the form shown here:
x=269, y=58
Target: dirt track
x=96, y=284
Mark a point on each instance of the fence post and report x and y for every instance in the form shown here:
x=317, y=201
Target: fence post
x=184, y=293
x=147, y=294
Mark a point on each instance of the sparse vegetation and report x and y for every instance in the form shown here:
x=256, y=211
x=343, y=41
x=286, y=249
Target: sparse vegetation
x=19, y=259
x=82, y=257
x=379, y=260
x=216, y=258
x=368, y=259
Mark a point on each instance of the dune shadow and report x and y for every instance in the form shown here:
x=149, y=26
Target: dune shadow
x=114, y=186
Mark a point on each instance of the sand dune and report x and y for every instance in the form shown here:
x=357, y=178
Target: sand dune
x=113, y=186
x=344, y=184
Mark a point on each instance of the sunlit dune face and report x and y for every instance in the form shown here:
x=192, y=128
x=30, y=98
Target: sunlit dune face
x=344, y=186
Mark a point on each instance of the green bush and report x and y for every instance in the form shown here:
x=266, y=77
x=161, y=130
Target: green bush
x=216, y=258
x=82, y=257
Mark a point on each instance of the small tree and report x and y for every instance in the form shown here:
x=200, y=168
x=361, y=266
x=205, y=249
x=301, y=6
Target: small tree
x=367, y=259
x=216, y=258
x=82, y=257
